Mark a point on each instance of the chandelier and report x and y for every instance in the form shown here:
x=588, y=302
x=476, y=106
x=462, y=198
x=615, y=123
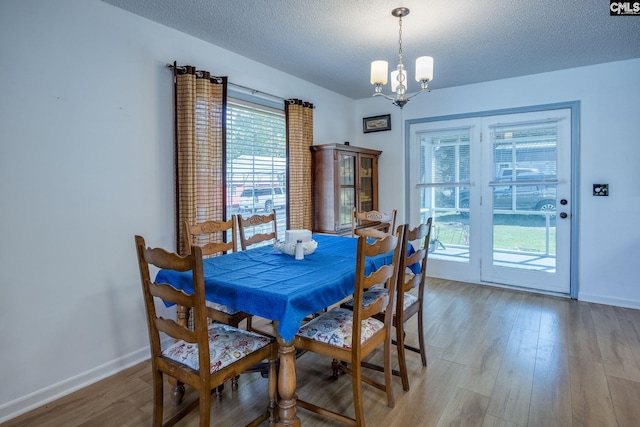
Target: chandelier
x=379, y=70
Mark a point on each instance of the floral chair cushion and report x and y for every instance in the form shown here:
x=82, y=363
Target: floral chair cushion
x=409, y=300
x=335, y=327
x=370, y=295
x=226, y=346
x=223, y=308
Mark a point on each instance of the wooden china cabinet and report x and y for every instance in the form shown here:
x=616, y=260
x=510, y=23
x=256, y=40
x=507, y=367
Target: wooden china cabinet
x=344, y=176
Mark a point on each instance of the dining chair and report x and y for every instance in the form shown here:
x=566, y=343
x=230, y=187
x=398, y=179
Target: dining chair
x=407, y=304
x=373, y=224
x=257, y=229
x=349, y=336
x=203, y=357
x=217, y=238
x=210, y=236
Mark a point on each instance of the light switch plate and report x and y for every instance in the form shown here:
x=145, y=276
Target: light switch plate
x=600, y=189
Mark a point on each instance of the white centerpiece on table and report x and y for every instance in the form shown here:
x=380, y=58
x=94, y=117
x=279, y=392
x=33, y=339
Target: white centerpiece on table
x=291, y=238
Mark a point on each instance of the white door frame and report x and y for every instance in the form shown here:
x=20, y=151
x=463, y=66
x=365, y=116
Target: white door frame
x=493, y=271
x=574, y=107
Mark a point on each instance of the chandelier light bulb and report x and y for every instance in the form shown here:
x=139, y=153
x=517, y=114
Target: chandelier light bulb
x=424, y=69
x=379, y=70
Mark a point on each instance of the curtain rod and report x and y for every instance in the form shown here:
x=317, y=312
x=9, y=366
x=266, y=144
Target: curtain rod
x=253, y=91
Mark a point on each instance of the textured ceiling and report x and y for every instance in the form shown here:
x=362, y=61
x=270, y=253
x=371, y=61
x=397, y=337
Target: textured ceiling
x=332, y=42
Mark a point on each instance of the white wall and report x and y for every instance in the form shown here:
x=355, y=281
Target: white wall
x=86, y=162
x=609, y=95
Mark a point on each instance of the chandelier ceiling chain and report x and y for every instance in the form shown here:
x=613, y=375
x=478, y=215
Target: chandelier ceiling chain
x=379, y=69
x=400, y=38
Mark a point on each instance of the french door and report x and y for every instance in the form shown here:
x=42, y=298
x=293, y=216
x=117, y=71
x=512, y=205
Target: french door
x=499, y=190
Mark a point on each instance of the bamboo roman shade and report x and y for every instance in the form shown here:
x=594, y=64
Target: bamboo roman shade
x=299, y=116
x=200, y=148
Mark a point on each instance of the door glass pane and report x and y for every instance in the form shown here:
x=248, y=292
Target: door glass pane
x=524, y=196
x=444, y=191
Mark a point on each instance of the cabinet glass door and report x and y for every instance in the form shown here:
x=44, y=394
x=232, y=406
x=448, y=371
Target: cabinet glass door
x=347, y=190
x=366, y=184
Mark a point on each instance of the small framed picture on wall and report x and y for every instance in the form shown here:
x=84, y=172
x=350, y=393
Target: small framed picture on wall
x=376, y=123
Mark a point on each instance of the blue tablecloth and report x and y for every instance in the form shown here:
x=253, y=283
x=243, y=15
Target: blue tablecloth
x=269, y=284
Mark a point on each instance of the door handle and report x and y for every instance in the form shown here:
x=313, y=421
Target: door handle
x=563, y=215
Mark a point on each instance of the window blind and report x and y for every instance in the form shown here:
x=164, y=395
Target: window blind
x=256, y=160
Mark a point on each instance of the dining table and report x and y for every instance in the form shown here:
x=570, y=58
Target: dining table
x=265, y=282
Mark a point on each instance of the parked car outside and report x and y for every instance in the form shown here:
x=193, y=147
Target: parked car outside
x=267, y=198
x=529, y=197
x=505, y=174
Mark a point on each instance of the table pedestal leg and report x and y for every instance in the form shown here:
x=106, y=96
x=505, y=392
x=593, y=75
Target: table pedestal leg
x=287, y=385
x=177, y=392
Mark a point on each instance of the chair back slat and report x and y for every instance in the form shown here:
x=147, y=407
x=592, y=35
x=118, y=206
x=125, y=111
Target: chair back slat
x=416, y=257
x=373, y=224
x=161, y=258
x=212, y=236
x=174, y=330
x=258, y=236
x=170, y=294
x=410, y=282
x=379, y=277
x=379, y=246
x=420, y=236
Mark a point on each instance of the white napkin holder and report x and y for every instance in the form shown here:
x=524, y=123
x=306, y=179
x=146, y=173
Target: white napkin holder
x=292, y=236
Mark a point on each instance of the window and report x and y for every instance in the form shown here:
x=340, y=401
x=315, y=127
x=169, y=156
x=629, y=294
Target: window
x=444, y=171
x=256, y=160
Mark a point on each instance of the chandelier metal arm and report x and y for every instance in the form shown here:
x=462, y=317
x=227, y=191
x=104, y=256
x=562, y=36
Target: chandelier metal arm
x=401, y=100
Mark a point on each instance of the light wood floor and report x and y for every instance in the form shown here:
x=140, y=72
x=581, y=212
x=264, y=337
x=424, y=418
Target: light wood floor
x=497, y=357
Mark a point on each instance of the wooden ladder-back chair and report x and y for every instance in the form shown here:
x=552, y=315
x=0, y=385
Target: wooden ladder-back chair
x=372, y=223
x=349, y=344
x=407, y=305
x=259, y=225
x=217, y=238
x=209, y=235
x=204, y=357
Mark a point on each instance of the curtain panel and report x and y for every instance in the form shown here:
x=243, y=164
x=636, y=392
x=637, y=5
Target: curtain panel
x=299, y=116
x=200, y=110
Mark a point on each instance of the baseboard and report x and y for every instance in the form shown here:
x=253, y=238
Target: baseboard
x=55, y=391
x=602, y=299
x=582, y=296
